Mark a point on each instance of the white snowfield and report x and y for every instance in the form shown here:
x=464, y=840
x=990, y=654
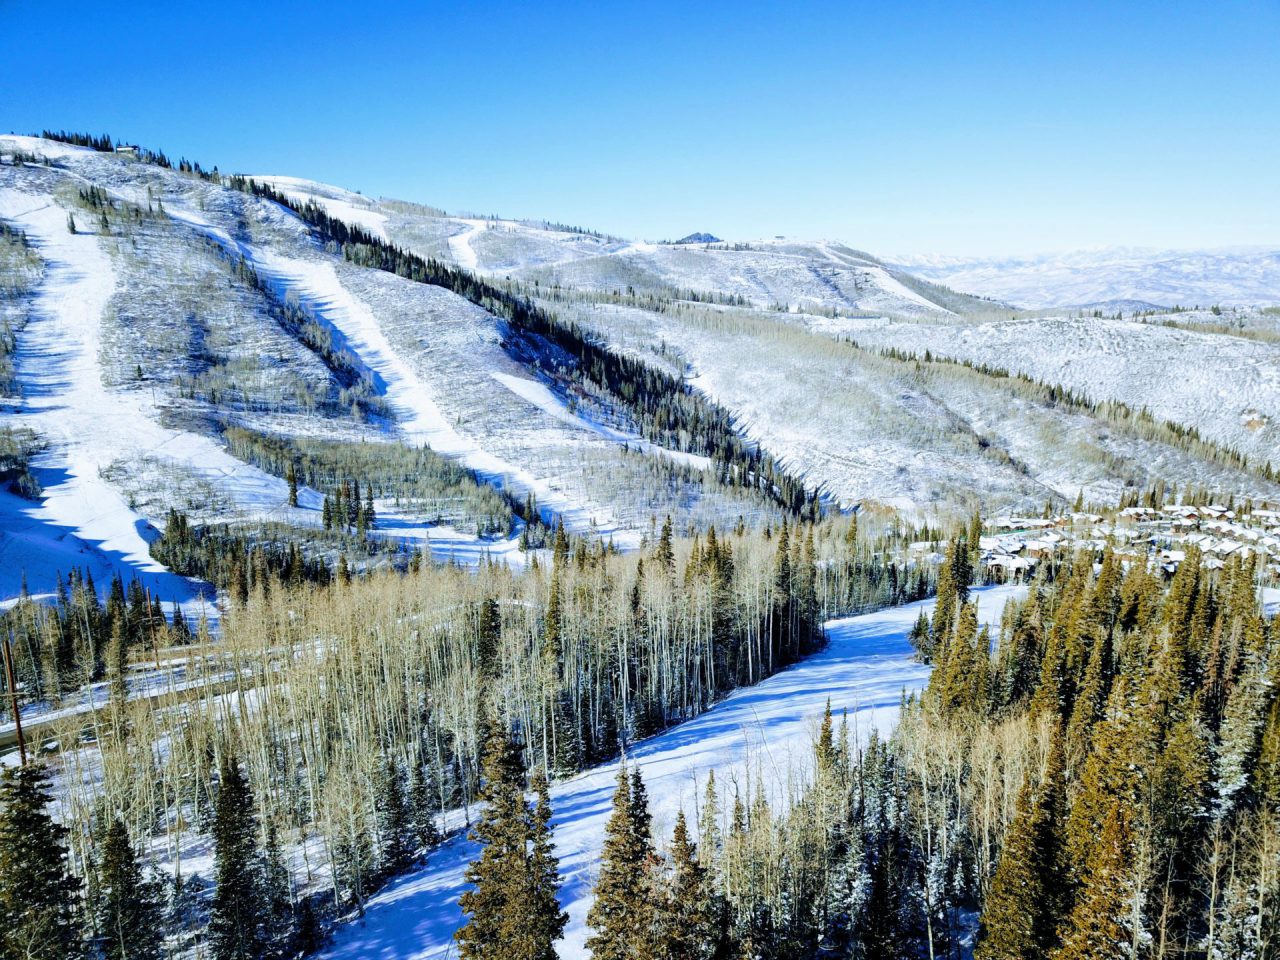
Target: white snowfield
x=82, y=519
x=1241, y=276
x=315, y=282
x=354, y=208
x=763, y=733
x=1228, y=386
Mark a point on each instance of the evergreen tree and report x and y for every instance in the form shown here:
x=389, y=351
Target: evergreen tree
x=1021, y=914
x=129, y=908
x=238, y=911
x=688, y=927
x=621, y=916
x=38, y=895
x=422, y=808
x=1100, y=927
x=279, y=922
x=514, y=914
x=547, y=920
x=395, y=827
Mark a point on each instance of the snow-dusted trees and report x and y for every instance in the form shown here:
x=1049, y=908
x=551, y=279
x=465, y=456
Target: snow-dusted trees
x=513, y=913
x=1103, y=786
x=130, y=913
x=624, y=915
x=39, y=898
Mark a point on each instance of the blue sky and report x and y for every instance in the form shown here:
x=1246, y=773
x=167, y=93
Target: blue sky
x=898, y=127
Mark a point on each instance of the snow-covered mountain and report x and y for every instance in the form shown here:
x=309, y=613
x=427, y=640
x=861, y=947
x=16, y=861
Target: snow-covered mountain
x=155, y=312
x=1127, y=279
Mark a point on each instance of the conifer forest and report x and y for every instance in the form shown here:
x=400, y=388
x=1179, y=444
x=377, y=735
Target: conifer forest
x=389, y=580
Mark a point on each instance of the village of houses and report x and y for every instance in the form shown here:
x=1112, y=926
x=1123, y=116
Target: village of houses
x=1014, y=546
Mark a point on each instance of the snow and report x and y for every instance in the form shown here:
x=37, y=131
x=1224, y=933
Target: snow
x=542, y=397
x=316, y=284
x=417, y=413
x=1228, y=387
x=1106, y=275
x=82, y=520
x=460, y=244
x=765, y=731
x=49, y=149
x=341, y=204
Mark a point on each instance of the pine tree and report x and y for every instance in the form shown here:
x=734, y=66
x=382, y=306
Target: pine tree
x=38, y=895
x=279, y=922
x=129, y=908
x=621, y=916
x=395, y=830
x=422, y=808
x=1100, y=925
x=513, y=910
x=291, y=475
x=237, y=915
x=547, y=920
x=1021, y=914
x=688, y=927
x=664, y=554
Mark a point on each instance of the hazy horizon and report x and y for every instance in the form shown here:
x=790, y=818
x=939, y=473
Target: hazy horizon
x=974, y=132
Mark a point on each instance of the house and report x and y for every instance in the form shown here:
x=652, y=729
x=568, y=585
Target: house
x=1011, y=568
x=128, y=149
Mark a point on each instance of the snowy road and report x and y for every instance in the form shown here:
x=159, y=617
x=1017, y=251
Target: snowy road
x=762, y=731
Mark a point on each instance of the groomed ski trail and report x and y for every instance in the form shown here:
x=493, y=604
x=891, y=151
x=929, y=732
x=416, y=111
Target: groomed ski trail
x=764, y=731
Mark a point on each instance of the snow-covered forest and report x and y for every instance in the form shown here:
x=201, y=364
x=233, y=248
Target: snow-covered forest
x=383, y=582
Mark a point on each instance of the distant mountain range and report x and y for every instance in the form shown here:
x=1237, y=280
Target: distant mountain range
x=1113, y=277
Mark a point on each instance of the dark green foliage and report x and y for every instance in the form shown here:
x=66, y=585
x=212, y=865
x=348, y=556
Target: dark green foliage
x=130, y=914
x=395, y=823
x=236, y=561
x=513, y=911
x=240, y=913
x=624, y=913
x=420, y=479
x=39, y=898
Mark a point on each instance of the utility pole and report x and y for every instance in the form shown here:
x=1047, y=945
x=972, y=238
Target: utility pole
x=13, y=697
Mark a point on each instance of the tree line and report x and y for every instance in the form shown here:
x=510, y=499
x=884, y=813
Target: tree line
x=369, y=722
x=666, y=409
x=1101, y=780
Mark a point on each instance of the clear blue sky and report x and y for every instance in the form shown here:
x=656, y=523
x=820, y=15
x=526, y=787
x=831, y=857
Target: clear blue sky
x=896, y=126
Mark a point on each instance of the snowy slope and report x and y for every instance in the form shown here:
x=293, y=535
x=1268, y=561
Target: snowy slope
x=1227, y=386
x=160, y=291
x=760, y=733
x=155, y=291
x=767, y=273
x=89, y=427
x=1165, y=277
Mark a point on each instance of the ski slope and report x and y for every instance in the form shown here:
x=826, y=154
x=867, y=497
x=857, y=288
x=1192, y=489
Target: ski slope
x=765, y=731
x=315, y=282
x=82, y=519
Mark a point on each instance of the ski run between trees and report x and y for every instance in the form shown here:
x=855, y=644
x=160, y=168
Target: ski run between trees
x=761, y=733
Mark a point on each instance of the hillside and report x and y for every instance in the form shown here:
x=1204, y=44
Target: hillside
x=173, y=329
x=1111, y=277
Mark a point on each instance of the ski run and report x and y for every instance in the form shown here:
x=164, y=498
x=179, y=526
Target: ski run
x=760, y=733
